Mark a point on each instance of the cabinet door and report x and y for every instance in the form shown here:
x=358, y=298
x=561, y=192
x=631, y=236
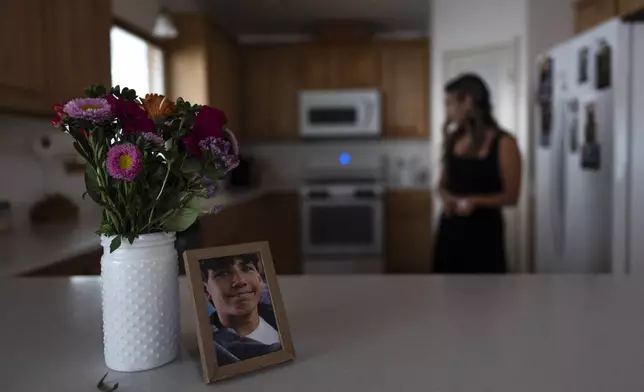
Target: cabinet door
x=408, y=231
x=405, y=87
x=270, y=85
x=625, y=7
x=354, y=66
x=223, y=75
x=79, y=52
x=590, y=13
x=22, y=61
x=283, y=231
x=315, y=61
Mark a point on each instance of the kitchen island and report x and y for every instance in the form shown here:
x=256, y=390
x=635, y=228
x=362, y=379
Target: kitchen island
x=359, y=333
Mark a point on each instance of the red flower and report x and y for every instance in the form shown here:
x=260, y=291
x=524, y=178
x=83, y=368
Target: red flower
x=133, y=117
x=55, y=122
x=209, y=123
x=59, y=111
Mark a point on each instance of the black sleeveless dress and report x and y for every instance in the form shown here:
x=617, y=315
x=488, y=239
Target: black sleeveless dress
x=472, y=244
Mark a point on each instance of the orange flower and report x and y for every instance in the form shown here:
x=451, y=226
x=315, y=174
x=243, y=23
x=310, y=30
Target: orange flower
x=158, y=106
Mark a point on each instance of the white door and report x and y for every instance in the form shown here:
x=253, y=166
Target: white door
x=497, y=66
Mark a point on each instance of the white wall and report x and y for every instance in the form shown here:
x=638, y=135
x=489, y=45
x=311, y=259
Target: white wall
x=533, y=25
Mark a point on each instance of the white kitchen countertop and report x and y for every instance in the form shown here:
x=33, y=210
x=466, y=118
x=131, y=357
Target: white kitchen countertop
x=434, y=334
x=28, y=248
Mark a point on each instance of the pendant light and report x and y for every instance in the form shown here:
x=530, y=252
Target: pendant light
x=164, y=28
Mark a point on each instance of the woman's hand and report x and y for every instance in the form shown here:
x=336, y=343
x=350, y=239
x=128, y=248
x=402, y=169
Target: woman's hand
x=464, y=207
x=449, y=203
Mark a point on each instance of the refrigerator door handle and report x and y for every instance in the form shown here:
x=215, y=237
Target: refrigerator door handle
x=557, y=185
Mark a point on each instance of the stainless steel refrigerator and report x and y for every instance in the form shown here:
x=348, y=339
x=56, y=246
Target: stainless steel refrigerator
x=589, y=212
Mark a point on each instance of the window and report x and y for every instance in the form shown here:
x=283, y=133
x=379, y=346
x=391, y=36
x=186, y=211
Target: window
x=136, y=63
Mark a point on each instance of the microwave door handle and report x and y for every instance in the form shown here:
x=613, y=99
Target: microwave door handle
x=368, y=115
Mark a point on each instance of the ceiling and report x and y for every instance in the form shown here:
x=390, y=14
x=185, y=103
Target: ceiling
x=242, y=17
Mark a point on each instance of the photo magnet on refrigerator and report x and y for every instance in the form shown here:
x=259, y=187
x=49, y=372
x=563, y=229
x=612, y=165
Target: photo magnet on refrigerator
x=583, y=65
x=590, y=152
x=573, y=125
x=603, y=66
x=545, y=100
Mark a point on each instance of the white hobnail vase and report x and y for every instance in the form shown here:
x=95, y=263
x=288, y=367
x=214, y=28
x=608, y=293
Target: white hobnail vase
x=140, y=289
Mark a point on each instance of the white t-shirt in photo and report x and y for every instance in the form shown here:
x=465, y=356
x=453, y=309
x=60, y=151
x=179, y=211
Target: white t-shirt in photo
x=264, y=333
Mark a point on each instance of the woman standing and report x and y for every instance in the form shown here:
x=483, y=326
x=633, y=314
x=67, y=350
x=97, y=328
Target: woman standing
x=481, y=174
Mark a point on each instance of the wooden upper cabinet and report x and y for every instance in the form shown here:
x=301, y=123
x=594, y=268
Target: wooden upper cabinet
x=626, y=7
x=405, y=88
x=224, y=77
x=77, y=51
x=315, y=61
x=272, y=76
x=354, y=66
x=340, y=66
x=51, y=50
x=22, y=70
x=590, y=13
x=203, y=66
x=269, y=91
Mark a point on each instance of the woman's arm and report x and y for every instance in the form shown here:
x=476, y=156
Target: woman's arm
x=446, y=197
x=511, y=171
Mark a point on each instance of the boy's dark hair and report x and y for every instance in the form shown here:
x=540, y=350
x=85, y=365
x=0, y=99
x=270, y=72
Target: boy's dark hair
x=225, y=262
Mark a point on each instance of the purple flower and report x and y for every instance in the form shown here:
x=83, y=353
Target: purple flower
x=233, y=140
x=218, y=146
x=95, y=109
x=124, y=161
x=216, y=209
x=211, y=188
x=223, y=151
x=154, y=139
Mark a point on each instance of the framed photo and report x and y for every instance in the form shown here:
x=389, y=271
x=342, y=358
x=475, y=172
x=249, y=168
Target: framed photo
x=241, y=321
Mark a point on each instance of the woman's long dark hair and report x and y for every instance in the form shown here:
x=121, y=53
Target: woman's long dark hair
x=478, y=120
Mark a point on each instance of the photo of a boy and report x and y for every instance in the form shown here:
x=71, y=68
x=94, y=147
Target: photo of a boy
x=242, y=316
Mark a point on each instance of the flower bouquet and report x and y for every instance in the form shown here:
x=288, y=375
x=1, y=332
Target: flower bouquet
x=149, y=163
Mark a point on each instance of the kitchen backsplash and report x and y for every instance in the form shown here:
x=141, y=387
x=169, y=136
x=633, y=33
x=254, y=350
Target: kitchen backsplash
x=27, y=177
x=24, y=176
x=287, y=161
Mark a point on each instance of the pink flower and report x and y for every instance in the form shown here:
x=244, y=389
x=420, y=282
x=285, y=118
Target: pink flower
x=133, y=118
x=209, y=123
x=95, y=109
x=124, y=161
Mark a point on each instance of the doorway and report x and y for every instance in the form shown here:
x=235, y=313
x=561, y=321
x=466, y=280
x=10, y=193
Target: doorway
x=497, y=65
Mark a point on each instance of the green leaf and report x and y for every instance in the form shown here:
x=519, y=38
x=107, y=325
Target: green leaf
x=214, y=174
x=191, y=166
x=95, y=91
x=183, y=218
x=116, y=242
x=128, y=94
x=91, y=184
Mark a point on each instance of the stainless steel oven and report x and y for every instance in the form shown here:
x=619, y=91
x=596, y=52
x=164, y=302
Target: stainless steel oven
x=342, y=220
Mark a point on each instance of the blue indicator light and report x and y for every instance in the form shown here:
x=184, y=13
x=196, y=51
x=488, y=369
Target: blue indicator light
x=344, y=159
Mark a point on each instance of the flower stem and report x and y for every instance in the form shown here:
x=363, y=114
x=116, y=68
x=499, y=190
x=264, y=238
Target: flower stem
x=165, y=181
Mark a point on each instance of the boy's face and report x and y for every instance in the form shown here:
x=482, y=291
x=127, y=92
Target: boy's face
x=235, y=288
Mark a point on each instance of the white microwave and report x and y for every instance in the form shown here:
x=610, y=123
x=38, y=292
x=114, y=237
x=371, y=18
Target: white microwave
x=340, y=113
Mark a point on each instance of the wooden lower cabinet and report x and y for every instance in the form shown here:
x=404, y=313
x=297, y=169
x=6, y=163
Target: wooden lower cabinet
x=408, y=231
x=273, y=218
x=85, y=264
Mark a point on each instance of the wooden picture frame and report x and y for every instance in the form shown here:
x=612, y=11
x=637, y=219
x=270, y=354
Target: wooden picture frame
x=210, y=273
